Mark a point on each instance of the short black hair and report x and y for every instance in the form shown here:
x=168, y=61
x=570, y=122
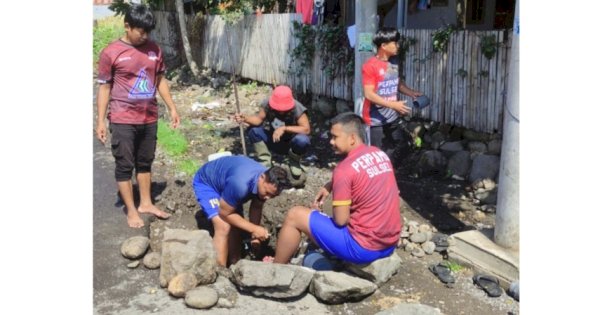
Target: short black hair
x=139, y=15
x=277, y=176
x=386, y=35
x=351, y=123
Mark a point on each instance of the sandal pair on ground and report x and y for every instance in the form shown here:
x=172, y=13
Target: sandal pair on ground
x=488, y=283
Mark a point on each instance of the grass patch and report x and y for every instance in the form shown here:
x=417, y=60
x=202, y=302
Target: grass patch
x=172, y=141
x=453, y=266
x=189, y=167
x=107, y=30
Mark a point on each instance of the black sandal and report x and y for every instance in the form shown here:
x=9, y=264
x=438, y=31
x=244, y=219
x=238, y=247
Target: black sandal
x=489, y=284
x=443, y=272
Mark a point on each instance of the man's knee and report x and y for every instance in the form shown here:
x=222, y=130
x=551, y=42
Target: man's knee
x=300, y=143
x=297, y=216
x=123, y=170
x=257, y=134
x=221, y=227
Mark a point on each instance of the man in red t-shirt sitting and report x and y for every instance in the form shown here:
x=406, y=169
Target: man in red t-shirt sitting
x=366, y=220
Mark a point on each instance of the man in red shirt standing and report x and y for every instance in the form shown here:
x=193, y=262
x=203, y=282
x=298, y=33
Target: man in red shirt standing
x=381, y=109
x=130, y=71
x=366, y=220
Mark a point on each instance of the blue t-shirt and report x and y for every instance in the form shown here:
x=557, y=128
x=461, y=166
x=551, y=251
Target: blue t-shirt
x=235, y=178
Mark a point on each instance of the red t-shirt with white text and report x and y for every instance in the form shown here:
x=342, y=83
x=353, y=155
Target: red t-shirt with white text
x=365, y=181
x=383, y=75
x=132, y=71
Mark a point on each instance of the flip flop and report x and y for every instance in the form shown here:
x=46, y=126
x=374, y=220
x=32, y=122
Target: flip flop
x=489, y=284
x=443, y=272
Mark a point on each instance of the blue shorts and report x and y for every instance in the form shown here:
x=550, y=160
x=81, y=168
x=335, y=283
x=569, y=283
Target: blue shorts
x=338, y=241
x=208, y=199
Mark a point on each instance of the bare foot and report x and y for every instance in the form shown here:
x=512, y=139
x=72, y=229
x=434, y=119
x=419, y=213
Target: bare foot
x=152, y=209
x=135, y=221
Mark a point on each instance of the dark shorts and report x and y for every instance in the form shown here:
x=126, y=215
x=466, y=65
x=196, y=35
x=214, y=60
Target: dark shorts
x=132, y=146
x=338, y=241
x=391, y=138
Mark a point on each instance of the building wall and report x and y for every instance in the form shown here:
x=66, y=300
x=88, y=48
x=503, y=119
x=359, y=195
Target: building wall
x=437, y=17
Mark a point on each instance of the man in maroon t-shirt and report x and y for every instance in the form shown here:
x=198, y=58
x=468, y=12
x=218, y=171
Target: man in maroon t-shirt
x=366, y=220
x=130, y=71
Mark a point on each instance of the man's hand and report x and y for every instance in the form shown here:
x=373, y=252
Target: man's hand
x=260, y=233
x=239, y=118
x=278, y=133
x=174, y=119
x=320, y=198
x=400, y=106
x=101, y=131
x=415, y=94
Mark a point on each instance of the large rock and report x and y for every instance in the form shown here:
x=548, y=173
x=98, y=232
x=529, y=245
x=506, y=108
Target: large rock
x=187, y=251
x=182, y=283
x=326, y=106
x=475, y=136
x=135, y=247
x=342, y=106
x=411, y=309
x=449, y=148
x=179, y=220
x=460, y=163
x=201, y=297
x=271, y=280
x=432, y=161
x=378, y=271
x=484, y=166
x=152, y=260
x=228, y=294
x=336, y=287
x=494, y=147
x=477, y=147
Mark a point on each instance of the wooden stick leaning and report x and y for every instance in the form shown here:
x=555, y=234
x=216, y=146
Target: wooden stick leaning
x=235, y=91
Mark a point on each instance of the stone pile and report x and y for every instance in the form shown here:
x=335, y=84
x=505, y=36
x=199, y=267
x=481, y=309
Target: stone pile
x=420, y=239
x=188, y=270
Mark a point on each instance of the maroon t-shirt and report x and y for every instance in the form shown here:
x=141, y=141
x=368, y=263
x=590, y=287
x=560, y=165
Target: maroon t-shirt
x=132, y=71
x=365, y=181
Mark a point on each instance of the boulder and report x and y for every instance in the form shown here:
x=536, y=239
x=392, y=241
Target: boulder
x=135, y=247
x=187, y=251
x=182, y=283
x=152, y=260
x=379, y=271
x=227, y=292
x=460, y=163
x=271, y=280
x=484, y=166
x=411, y=309
x=477, y=147
x=432, y=162
x=335, y=287
x=201, y=298
x=494, y=147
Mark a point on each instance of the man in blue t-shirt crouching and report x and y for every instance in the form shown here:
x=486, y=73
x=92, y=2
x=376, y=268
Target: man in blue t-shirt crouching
x=223, y=186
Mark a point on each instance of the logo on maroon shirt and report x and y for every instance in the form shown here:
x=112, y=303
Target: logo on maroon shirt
x=152, y=55
x=142, y=88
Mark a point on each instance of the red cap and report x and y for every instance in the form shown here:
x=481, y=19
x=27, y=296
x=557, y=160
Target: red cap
x=281, y=99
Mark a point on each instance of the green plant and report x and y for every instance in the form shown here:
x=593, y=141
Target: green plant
x=251, y=87
x=304, y=53
x=441, y=38
x=188, y=166
x=484, y=73
x=172, y=141
x=107, y=30
x=462, y=73
x=453, y=266
x=489, y=46
x=336, y=54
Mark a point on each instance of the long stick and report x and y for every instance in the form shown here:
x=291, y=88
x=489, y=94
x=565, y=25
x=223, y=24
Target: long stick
x=237, y=100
